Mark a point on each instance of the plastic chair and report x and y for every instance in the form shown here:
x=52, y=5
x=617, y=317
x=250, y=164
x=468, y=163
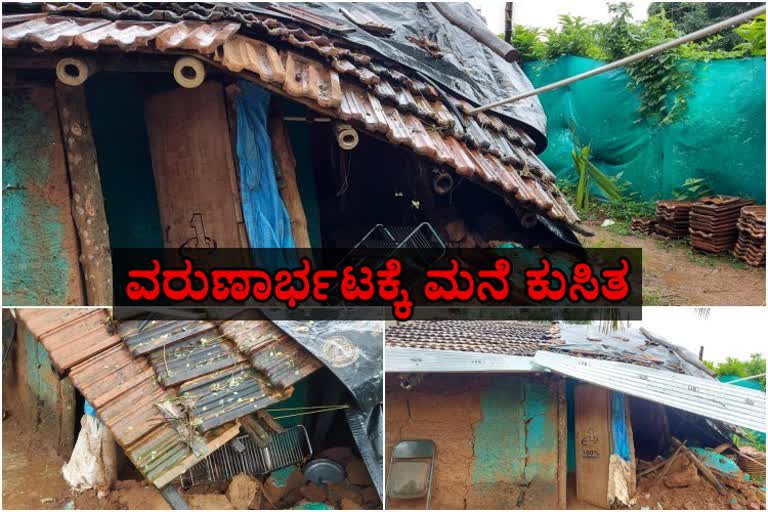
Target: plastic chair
x=411, y=467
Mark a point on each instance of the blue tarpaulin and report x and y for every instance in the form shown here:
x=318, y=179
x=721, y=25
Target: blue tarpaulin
x=266, y=219
x=619, y=426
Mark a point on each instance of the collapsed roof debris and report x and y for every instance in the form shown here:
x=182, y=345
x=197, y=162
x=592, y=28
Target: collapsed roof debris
x=550, y=342
x=173, y=392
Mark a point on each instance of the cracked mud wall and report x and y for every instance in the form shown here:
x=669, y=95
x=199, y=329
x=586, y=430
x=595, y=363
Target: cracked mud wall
x=496, y=438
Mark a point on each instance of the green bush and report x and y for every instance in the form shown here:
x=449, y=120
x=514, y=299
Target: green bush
x=662, y=81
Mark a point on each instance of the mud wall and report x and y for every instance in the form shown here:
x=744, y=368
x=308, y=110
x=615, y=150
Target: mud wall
x=497, y=438
x=34, y=396
x=40, y=256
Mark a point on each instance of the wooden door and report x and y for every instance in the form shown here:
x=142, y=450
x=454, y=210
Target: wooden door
x=194, y=167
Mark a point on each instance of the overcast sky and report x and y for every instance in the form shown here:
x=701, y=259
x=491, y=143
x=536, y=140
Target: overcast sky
x=729, y=331
x=544, y=13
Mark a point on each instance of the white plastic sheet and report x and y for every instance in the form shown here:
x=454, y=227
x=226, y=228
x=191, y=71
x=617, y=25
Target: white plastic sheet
x=93, y=464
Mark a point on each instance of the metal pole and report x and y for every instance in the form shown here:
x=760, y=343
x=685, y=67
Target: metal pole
x=707, y=31
x=746, y=378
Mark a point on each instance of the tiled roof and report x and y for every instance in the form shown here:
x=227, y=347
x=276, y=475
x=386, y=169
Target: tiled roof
x=489, y=337
x=321, y=72
x=208, y=374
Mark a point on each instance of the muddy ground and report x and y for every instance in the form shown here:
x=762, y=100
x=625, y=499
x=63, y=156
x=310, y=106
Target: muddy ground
x=675, y=274
x=653, y=493
x=32, y=478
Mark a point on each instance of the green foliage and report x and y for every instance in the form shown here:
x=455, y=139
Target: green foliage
x=662, y=81
x=573, y=37
x=754, y=37
x=693, y=189
x=691, y=16
x=588, y=174
x=755, y=365
x=526, y=41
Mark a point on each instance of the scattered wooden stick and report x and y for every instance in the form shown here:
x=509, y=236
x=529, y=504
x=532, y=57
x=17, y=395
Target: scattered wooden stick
x=703, y=469
x=663, y=464
x=665, y=470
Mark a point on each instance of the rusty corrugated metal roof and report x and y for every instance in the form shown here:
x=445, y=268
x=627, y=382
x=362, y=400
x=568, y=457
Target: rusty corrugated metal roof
x=345, y=84
x=213, y=373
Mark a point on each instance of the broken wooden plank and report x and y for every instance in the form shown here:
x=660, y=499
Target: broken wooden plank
x=285, y=164
x=703, y=469
x=213, y=445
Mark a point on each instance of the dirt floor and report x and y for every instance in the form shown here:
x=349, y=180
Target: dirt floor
x=32, y=479
x=699, y=494
x=675, y=274
x=49, y=491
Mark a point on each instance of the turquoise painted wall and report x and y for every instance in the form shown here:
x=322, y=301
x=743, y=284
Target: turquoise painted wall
x=39, y=248
x=516, y=442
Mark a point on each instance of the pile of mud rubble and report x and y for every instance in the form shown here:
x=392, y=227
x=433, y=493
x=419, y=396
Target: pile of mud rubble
x=699, y=479
x=282, y=489
x=288, y=488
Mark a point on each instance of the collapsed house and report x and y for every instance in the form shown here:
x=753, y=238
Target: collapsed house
x=197, y=402
x=258, y=125
x=538, y=415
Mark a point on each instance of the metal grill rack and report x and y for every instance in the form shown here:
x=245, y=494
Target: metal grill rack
x=391, y=239
x=243, y=455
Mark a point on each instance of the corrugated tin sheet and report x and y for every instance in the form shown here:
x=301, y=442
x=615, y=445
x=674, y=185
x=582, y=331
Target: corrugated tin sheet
x=271, y=352
x=707, y=397
x=346, y=84
x=222, y=371
x=627, y=346
x=417, y=360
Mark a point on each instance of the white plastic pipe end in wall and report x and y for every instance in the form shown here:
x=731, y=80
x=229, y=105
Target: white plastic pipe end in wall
x=346, y=136
x=71, y=71
x=189, y=72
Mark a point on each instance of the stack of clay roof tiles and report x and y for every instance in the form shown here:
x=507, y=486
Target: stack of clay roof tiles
x=489, y=337
x=672, y=218
x=318, y=70
x=713, y=222
x=170, y=392
x=750, y=246
x=644, y=225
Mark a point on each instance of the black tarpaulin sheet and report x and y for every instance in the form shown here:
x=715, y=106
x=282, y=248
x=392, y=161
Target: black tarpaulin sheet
x=353, y=351
x=468, y=68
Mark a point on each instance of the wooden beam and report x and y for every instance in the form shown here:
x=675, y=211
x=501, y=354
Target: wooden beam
x=87, y=198
x=562, y=444
x=285, y=164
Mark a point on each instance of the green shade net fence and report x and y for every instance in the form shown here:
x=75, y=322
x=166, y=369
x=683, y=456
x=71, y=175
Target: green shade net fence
x=720, y=137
